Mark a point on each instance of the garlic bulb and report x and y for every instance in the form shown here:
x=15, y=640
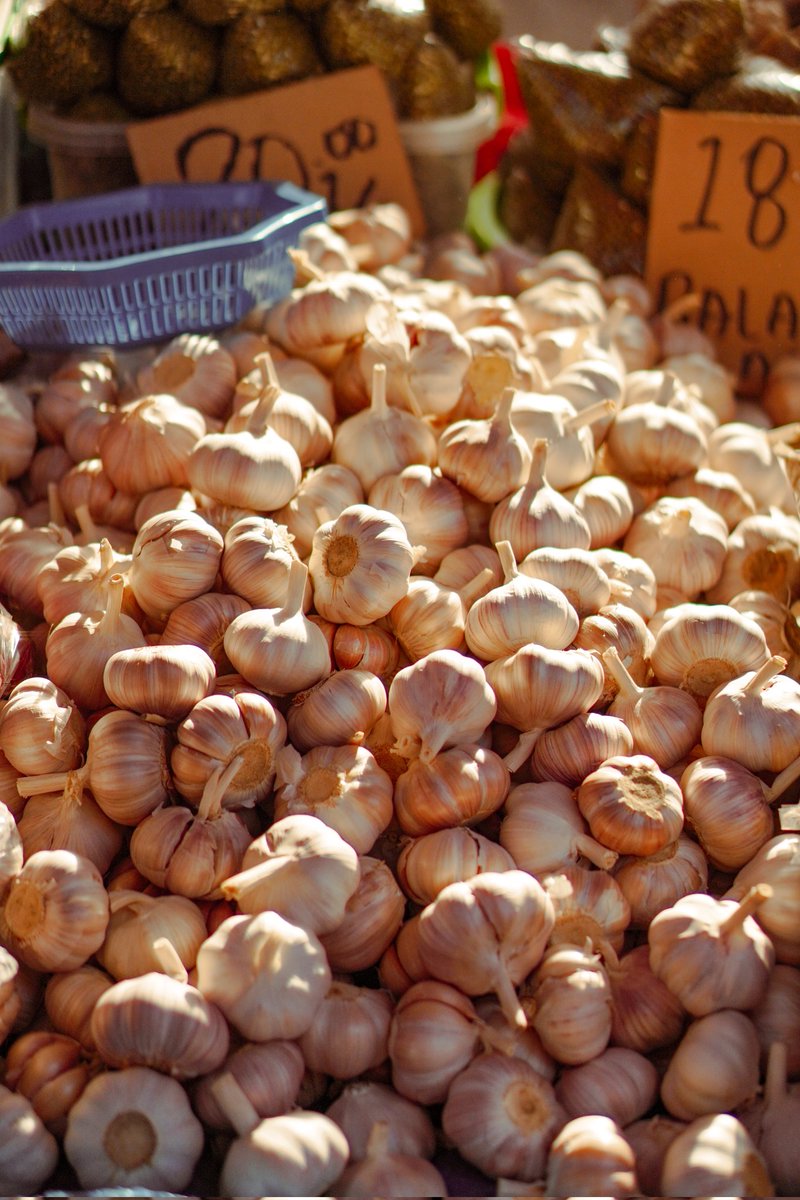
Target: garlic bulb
x=290, y=414
x=755, y=719
x=728, y=809
x=350, y=1031
x=698, y=647
x=775, y=864
x=747, y=452
x=340, y=710
x=459, y=786
x=762, y=555
x=589, y=1157
x=777, y=1016
x=175, y=557
x=488, y=912
x=606, y=505
x=137, y=922
x=536, y=514
x=619, y=1083
x=344, y=786
x=665, y=722
x=574, y=571
x=502, y=1116
x=569, y=996
x=714, y=1155
x=654, y=882
x=28, y=1151
x=431, y=508
x=127, y=764
x=69, y=998
x=372, y=917
x=359, y=565
x=714, y=1067
x=772, y=1121
x=383, y=439
x=543, y=829
x=632, y=580
x=362, y=1103
x=146, y=443
x=434, y=1034
x=195, y=368
x=55, y=911
x=654, y=440
x=51, y=1070
x=589, y=906
x=506, y=618
x=67, y=818
x=719, y=490
x=442, y=700
x=646, y=1015
x=427, y=864
x=76, y=580
x=300, y=868
x=133, y=1128
x=266, y=975
x=159, y=680
x=568, y=753
x=269, y=1073
x=684, y=541
x=649, y=1139
x=631, y=806
x=488, y=458
x=321, y=496
x=429, y=617
x=256, y=559
x=41, y=728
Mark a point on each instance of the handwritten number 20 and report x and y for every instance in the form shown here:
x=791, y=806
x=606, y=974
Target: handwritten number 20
x=766, y=167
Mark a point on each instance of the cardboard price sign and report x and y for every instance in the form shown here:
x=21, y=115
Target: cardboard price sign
x=724, y=226
x=335, y=135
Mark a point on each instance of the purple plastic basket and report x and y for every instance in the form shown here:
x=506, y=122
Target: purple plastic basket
x=143, y=264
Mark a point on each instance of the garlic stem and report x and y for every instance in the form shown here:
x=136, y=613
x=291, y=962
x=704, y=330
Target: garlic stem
x=587, y=416
x=772, y=667
x=106, y=556
x=629, y=689
x=752, y=900
x=503, y=414
x=56, y=514
x=509, y=1000
x=523, y=749
x=611, y=324
x=269, y=376
x=115, y=590
x=782, y=781
x=295, y=589
x=378, y=1140
x=210, y=806
x=235, y=1104
x=598, y=854
x=86, y=522
x=169, y=960
x=378, y=404
x=55, y=781
x=508, y=562
x=775, y=1082
x=536, y=475
x=474, y=588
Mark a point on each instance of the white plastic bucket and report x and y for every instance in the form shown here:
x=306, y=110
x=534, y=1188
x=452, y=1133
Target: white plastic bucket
x=85, y=157
x=441, y=153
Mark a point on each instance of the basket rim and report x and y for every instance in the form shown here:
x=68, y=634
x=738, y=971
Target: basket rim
x=301, y=206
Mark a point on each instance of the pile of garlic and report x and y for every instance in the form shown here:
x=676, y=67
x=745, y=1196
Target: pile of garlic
x=400, y=692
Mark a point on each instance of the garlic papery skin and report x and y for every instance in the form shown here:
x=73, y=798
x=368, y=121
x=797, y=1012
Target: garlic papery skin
x=728, y=809
x=719, y=490
x=266, y=975
x=684, y=541
x=699, y=647
x=368, y=647
x=431, y=508
x=76, y=580
x=568, y=753
x=219, y=728
x=279, y=650
x=442, y=700
x=755, y=719
x=775, y=864
x=459, y=786
x=665, y=721
x=542, y=830
x=521, y=610
x=654, y=882
x=383, y=439
x=589, y=906
x=712, y=954
x=339, y=711
x=159, y=681
x=569, y=1001
x=632, y=580
x=749, y=454
x=322, y=495
x=606, y=505
x=359, y=565
x=68, y=818
x=645, y=1015
x=574, y=571
x=90, y=638
x=714, y=1067
x=127, y=765
x=536, y=514
x=619, y=1083
x=291, y=415
x=714, y=1156
x=51, y=1070
x=571, y=453
x=364, y=1102
x=435, y=1032
x=28, y=1151
x=373, y=915
x=777, y=1016
x=175, y=557
x=256, y=559
x=146, y=443
x=590, y=1157
x=762, y=555
x=70, y=996
x=133, y=1128
x=631, y=806
x=269, y=1073
x=537, y=688
x=41, y=728
x=350, y=1031
x=158, y=1020
x=505, y=917
x=136, y=923
x=502, y=1116
x=55, y=911
x=300, y=868
x=488, y=458
x=427, y=864
x=653, y=442
x=464, y=565
x=341, y=785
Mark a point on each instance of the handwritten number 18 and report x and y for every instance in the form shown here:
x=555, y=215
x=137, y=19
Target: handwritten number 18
x=766, y=167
